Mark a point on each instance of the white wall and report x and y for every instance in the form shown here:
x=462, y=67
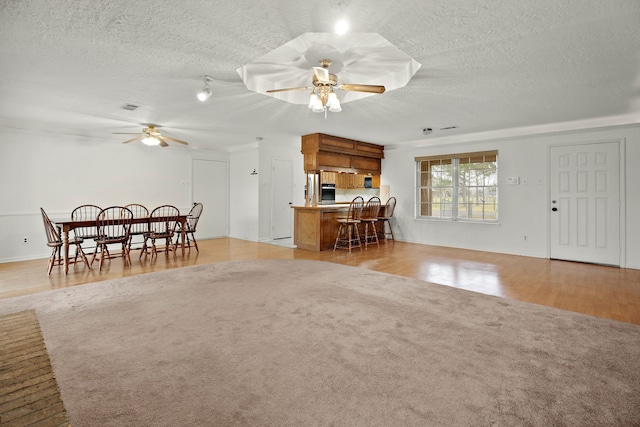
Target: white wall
x=243, y=194
x=523, y=208
x=59, y=173
x=251, y=195
x=281, y=150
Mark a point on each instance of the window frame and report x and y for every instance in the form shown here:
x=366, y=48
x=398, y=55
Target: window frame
x=450, y=206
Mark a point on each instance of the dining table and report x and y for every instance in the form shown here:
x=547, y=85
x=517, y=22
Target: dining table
x=67, y=224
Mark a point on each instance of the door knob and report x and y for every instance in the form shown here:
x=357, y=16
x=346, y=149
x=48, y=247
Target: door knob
x=554, y=209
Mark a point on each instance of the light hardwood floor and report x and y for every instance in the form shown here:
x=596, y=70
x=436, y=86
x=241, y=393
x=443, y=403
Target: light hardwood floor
x=596, y=290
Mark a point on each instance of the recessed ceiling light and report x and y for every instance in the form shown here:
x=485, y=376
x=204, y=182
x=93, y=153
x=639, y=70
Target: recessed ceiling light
x=341, y=27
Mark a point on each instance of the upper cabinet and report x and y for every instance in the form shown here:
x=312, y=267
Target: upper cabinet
x=335, y=154
x=328, y=178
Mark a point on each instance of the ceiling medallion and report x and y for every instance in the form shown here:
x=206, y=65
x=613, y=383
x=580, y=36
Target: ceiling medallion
x=366, y=58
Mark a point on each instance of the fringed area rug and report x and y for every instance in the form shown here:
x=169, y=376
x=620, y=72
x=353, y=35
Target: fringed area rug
x=29, y=394
x=309, y=343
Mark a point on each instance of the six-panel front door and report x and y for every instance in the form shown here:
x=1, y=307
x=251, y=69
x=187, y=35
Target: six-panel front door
x=585, y=203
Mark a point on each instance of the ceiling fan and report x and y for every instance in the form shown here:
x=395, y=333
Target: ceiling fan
x=322, y=95
x=151, y=136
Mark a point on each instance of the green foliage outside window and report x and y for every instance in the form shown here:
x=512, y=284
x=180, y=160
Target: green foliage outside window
x=458, y=187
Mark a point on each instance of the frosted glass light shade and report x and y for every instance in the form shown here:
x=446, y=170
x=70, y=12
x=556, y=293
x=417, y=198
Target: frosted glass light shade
x=150, y=140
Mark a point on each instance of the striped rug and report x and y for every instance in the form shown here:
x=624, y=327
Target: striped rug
x=29, y=394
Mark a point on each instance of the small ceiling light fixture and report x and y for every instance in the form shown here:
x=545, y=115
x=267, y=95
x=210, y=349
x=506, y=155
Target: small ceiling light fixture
x=426, y=131
x=150, y=140
x=206, y=90
x=341, y=27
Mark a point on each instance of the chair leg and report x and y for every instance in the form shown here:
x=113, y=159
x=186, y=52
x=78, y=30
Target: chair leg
x=95, y=253
x=126, y=252
x=154, y=250
x=357, y=236
x=169, y=246
x=52, y=260
x=144, y=248
x=103, y=249
x=82, y=255
x=388, y=222
x=335, y=245
x=373, y=236
x=195, y=243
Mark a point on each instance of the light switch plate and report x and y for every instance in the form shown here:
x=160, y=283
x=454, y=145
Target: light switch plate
x=513, y=180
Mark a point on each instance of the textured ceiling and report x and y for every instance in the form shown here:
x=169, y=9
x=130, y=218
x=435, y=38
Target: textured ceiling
x=67, y=66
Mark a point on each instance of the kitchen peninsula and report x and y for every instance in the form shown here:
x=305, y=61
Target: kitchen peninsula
x=316, y=227
x=315, y=224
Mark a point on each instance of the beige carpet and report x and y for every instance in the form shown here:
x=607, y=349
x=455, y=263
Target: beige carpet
x=308, y=343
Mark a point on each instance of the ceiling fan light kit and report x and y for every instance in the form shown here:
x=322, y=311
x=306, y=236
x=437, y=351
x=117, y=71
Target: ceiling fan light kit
x=323, y=97
x=282, y=73
x=151, y=137
x=150, y=141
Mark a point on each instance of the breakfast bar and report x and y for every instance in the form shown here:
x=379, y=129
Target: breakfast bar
x=315, y=227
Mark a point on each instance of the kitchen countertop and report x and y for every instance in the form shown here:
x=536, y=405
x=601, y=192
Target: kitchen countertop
x=324, y=207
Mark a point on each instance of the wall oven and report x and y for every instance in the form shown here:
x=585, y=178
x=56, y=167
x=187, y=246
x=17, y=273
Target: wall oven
x=328, y=194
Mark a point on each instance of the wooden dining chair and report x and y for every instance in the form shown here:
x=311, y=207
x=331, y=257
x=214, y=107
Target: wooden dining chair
x=162, y=225
x=191, y=223
x=348, y=236
x=113, y=225
x=137, y=228
x=88, y=233
x=55, y=242
x=369, y=219
x=385, y=217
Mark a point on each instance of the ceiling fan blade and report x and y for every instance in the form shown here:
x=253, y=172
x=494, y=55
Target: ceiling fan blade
x=289, y=88
x=174, y=140
x=133, y=139
x=322, y=74
x=362, y=88
x=163, y=143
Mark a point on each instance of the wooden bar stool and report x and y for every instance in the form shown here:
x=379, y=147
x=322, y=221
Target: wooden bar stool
x=369, y=219
x=348, y=235
x=385, y=218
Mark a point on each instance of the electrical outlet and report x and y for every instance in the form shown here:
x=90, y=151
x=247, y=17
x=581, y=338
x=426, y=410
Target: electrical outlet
x=25, y=240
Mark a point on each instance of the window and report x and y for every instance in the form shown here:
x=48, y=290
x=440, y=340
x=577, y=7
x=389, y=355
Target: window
x=458, y=186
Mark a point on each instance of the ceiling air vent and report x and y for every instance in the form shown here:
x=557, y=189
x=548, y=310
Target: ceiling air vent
x=130, y=107
x=449, y=128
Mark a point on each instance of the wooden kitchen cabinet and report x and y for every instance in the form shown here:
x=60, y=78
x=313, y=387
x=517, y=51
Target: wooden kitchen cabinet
x=334, y=154
x=328, y=178
x=355, y=181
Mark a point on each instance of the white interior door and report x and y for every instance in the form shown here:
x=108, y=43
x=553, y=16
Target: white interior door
x=211, y=188
x=585, y=203
x=282, y=199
